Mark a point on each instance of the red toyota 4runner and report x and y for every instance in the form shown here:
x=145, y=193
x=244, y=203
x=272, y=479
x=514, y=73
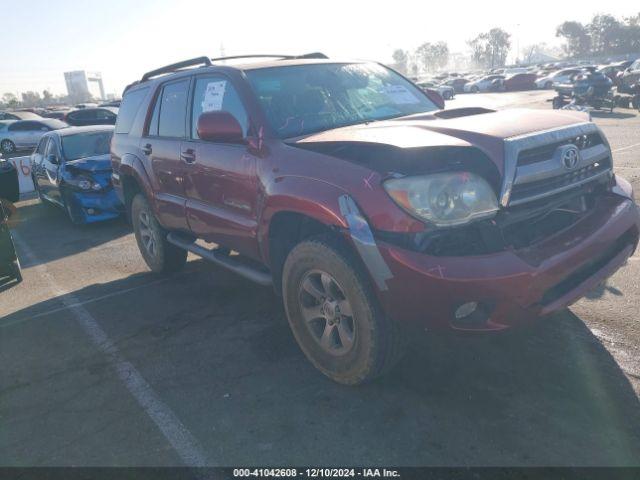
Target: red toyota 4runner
x=371, y=209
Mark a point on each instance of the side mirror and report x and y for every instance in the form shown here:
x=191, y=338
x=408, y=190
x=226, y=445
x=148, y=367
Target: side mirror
x=219, y=126
x=51, y=158
x=435, y=97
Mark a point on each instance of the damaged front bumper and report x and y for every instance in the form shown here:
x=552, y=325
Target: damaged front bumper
x=90, y=207
x=513, y=286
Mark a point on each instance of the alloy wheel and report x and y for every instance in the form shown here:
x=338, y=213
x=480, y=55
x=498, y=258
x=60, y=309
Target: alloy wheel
x=147, y=234
x=7, y=146
x=327, y=312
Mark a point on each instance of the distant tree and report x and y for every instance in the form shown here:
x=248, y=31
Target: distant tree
x=577, y=38
x=432, y=56
x=490, y=49
x=605, y=33
x=10, y=100
x=531, y=52
x=30, y=99
x=400, y=60
x=47, y=96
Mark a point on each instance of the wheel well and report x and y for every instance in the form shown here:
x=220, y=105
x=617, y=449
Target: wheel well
x=286, y=230
x=130, y=188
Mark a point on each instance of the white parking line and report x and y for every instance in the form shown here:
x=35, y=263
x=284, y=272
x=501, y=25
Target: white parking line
x=171, y=427
x=625, y=148
x=91, y=300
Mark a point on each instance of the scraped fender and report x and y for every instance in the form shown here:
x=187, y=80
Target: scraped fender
x=331, y=206
x=312, y=198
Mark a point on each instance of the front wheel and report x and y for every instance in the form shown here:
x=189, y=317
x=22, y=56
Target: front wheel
x=158, y=253
x=7, y=146
x=334, y=315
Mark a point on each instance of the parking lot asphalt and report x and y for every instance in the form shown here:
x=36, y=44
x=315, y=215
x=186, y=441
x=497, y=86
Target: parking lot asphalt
x=103, y=363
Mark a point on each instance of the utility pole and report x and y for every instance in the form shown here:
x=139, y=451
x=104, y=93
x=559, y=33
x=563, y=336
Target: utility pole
x=518, y=43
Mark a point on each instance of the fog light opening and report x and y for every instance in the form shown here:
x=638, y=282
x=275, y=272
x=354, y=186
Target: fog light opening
x=465, y=310
x=471, y=315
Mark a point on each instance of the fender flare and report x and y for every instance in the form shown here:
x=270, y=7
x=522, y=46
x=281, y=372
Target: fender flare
x=312, y=198
x=131, y=166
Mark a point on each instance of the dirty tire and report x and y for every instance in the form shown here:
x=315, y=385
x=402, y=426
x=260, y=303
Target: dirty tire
x=378, y=343
x=162, y=257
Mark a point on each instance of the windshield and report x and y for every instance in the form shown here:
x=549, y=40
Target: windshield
x=87, y=144
x=304, y=99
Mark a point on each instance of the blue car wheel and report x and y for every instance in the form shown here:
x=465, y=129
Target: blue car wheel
x=70, y=210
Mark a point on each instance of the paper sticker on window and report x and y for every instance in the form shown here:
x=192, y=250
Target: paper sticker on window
x=213, y=96
x=400, y=95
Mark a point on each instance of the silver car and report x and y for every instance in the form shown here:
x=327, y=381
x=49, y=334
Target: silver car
x=25, y=134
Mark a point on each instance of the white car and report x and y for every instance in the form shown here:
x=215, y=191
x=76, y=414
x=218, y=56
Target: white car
x=484, y=84
x=446, y=91
x=25, y=134
x=561, y=76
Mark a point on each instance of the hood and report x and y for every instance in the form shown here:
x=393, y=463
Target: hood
x=96, y=163
x=472, y=128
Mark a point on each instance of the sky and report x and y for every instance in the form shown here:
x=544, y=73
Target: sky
x=123, y=39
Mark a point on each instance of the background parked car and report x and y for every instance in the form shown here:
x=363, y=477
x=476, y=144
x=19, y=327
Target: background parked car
x=520, y=81
x=112, y=103
x=457, y=84
x=629, y=78
x=71, y=168
x=560, y=76
x=92, y=116
x=485, y=84
x=59, y=114
x=445, y=91
x=19, y=116
x=25, y=134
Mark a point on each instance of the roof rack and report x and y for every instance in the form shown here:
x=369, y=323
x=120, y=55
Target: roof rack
x=207, y=62
x=281, y=57
x=203, y=61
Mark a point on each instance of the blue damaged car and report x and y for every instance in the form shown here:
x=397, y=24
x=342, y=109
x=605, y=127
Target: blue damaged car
x=71, y=168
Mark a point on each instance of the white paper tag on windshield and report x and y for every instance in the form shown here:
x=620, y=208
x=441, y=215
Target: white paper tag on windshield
x=400, y=95
x=213, y=96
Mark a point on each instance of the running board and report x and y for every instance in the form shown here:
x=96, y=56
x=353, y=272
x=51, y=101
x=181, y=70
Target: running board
x=246, y=271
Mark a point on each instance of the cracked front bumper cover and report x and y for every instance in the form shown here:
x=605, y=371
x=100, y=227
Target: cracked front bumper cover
x=517, y=286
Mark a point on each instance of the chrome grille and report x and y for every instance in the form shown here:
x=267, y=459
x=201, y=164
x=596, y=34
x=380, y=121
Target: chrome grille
x=534, y=165
x=540, y=154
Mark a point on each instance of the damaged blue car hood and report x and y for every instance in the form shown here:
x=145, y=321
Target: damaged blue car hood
x=97, y=163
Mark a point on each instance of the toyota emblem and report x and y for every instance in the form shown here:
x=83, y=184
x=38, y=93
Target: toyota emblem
x=570, y=157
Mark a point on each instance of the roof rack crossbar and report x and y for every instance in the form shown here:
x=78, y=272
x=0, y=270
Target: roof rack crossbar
x=177, y=66
x=263, y=55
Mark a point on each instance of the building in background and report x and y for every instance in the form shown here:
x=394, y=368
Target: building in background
x=80, y=83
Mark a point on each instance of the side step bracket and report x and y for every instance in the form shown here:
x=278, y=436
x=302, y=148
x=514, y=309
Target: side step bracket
x=214, y=256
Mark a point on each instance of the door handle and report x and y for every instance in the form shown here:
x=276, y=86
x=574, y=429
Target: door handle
x=147, y=149
x=189, y=155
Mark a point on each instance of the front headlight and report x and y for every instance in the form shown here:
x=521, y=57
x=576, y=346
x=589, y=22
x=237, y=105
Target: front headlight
x=85, y=184
x=444, y=199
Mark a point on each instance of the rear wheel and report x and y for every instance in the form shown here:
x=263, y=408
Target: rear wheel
x=334, y=315
x=7, y=146
x=158, y=253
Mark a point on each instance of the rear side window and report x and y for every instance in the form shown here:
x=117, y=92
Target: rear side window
x=169, y=114
x=129, y=109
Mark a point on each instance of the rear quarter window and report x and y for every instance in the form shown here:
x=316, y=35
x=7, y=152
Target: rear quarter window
x=129, y=109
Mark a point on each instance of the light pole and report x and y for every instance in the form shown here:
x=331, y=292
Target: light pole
x=517, y=43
